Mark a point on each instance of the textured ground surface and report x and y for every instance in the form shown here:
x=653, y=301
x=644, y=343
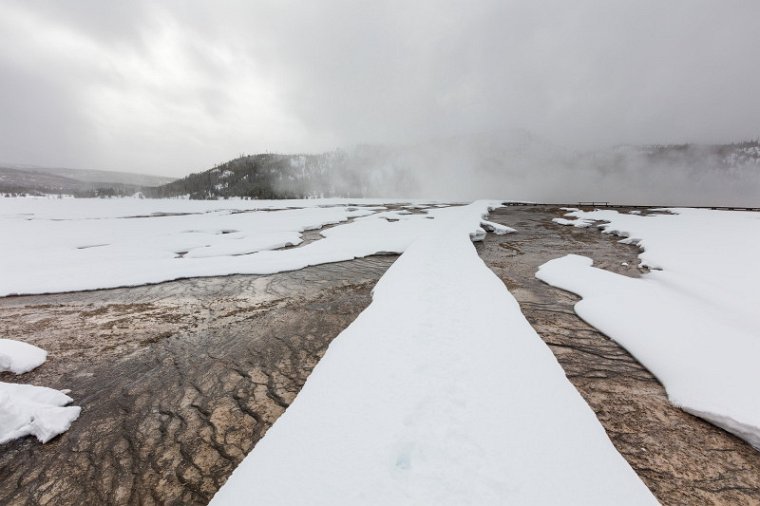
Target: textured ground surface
x=682, y=459
x=177, y=381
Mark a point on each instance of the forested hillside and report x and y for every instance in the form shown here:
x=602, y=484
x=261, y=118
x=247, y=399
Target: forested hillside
x=458, y=168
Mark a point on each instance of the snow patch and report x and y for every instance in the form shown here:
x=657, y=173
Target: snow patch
x=694, y=321
x=579, y=223
x=496, y=228
x=18, y=357
x=27, y=409
x=32, y=410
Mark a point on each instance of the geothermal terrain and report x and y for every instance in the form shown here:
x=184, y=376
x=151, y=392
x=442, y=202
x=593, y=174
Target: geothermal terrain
x=377, y=351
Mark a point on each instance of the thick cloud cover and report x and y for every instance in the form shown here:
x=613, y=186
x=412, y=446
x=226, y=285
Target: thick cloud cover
x=176, y=86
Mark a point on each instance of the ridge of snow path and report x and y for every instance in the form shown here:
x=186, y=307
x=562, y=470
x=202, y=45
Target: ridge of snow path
x=694, y=324
x=28, y=409
x=439, y=393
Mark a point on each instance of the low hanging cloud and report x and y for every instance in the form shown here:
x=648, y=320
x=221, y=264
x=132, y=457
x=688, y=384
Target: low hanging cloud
x=178, y=86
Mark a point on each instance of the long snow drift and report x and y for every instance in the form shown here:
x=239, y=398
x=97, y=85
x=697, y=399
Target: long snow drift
x=440, y=392
x=127, y=242
x=26, y=409
x=695, y=323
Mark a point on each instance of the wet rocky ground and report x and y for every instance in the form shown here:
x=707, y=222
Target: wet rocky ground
x=179, y=380
x=681, y=458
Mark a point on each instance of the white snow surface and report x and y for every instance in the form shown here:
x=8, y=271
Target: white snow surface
x=579, y=223
x=27, y=409
x=18, y=357
x=439, y=393
x=70, y=209
x=78, y=244
x=33, y=410
x=695, y=323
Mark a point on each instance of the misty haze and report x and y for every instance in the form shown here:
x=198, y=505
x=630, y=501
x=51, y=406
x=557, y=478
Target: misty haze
x=379, y=253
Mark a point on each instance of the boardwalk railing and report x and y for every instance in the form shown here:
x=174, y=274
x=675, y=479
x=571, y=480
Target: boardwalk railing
x=629, y=206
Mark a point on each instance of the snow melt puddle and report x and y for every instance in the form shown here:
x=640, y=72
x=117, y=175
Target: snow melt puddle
x=454, y=399
x=27, y=409
x=693, y=322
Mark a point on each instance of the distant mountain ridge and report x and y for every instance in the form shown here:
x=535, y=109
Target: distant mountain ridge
x=103, y=176
x=276, y=176
x=29, y=179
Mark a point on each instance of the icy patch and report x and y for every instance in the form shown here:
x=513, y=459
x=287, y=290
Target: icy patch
x=496, y=228
x=439, y=393
x=18, y=357
x=693, y=322
x=579, y=223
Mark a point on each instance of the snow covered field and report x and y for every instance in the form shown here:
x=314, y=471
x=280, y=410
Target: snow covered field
x=453, y=386
x=80, y=208
x=56, y=245
x=458, y=401
x=693, y=321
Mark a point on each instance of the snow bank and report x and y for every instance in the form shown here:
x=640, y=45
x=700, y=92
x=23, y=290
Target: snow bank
x=579, y=223
x=18, y=357
x=496, y=228
x=27, y=409
x=694, y=324
x=32, y=410
x=439, y=393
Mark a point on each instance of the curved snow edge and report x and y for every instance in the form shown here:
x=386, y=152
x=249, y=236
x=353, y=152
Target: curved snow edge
x=673, y=336
x=27, y=409
x=18, y=357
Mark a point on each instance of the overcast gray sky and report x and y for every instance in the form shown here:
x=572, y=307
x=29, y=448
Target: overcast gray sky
x=174, y=87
